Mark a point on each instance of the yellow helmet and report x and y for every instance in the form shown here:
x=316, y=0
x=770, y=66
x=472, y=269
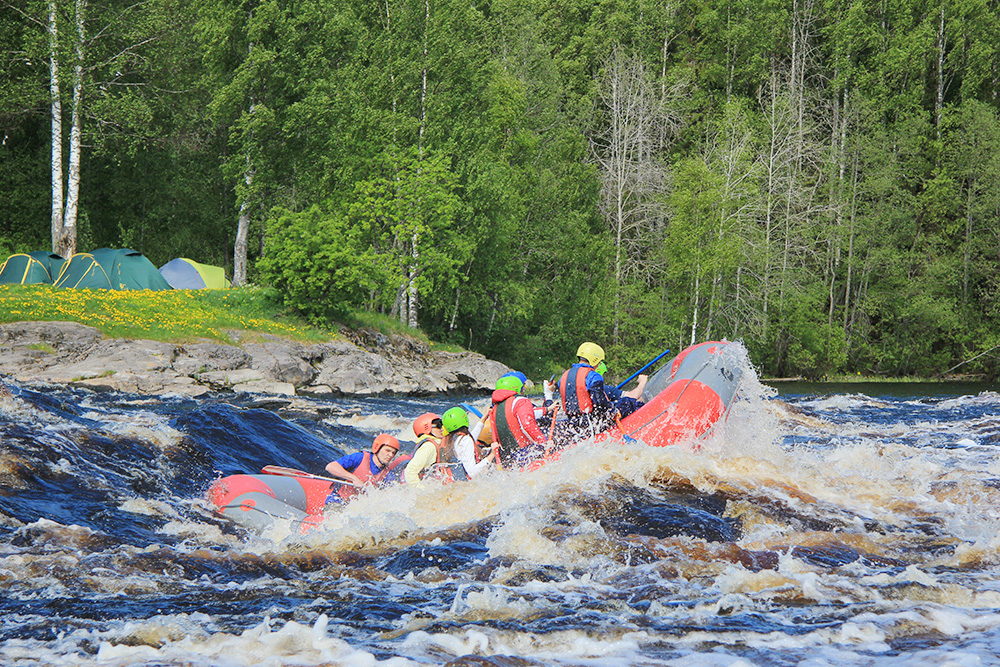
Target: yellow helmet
x=592, y=352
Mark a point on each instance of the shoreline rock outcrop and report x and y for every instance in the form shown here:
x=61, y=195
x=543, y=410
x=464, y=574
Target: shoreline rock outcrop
x=365, y=363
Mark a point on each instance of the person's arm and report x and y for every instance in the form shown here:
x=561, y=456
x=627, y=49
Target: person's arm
x=423, y=458
x=525, y=413
x=477, y=428
x=598, y=392
x=344, y=467
x=637, y=392
x=465, y=452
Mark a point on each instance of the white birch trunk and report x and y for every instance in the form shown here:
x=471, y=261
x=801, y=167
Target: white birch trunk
x=413, y=300
x=56, y=113
x=243, y=222
x=68, y=243
x=939, y=101
x=850, y=249
x=242, y=232
x=696, y=297
x=413, y=295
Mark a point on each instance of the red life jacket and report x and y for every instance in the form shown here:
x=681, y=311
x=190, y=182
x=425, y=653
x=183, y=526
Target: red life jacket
x=364, y=473
x=578, y=399
x=507, y=429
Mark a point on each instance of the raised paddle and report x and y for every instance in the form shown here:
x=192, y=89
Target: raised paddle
x=638, y=372
x=293, y=472
x=469, y=408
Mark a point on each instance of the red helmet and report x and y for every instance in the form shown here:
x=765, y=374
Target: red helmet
x=425, y=422
x=383, y=439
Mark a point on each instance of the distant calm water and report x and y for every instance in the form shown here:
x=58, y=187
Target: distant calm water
x=847, y=525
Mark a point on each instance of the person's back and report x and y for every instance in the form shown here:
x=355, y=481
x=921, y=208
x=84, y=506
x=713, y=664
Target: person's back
x=589, y=406
x=512, y=422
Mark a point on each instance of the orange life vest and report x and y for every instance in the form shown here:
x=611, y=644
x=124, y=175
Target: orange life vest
x=507, y=429
x=577, y=400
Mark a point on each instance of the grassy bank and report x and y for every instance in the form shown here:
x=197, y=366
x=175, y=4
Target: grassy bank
x=170, y=316
x=179, y=316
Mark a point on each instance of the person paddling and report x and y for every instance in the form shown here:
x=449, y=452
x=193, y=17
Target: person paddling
x=512, y=422
x=459, y=441
x=591, y=406
x=363, y=468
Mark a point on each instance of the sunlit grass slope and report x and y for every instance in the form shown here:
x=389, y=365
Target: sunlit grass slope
x=170, y=315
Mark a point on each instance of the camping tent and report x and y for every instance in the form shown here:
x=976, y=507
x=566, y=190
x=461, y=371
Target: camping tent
x=111, y=269
x=183, y=273
x=82, y=271
x=24, y=269
x=51, y=260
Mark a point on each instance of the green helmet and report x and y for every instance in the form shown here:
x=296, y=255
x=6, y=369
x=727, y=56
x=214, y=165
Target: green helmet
x=602, y=369
x=510, y=383
x=454, y=419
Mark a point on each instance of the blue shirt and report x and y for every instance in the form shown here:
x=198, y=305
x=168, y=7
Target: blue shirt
x=351, y=462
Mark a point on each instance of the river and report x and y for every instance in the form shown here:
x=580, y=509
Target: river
x=847, y=525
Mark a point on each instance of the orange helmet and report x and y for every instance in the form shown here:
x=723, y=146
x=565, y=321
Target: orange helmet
x=425, y=422
x=383, y=439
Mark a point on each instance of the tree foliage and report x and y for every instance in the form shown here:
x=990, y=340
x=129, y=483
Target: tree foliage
x=818, y=178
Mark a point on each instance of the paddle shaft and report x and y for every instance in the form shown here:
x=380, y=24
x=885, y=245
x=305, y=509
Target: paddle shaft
x=636, y=374
x=293, y=472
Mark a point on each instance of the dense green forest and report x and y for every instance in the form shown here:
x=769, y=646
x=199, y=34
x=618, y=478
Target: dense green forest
x=817, y=178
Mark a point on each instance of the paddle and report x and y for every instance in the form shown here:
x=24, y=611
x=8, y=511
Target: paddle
x=293, y=472
x=638, y=372
x=469, y=408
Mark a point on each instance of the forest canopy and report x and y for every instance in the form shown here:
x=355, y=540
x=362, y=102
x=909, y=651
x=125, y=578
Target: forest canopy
x=818, y=179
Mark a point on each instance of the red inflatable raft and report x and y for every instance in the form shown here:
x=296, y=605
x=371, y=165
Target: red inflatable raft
x=257, y=501
x=682, y=402
x=688, y=397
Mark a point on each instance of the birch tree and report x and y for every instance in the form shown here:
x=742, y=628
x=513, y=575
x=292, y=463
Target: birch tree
x=731, y=152
x=95, y=58
x=633, y=179
x=243, y=42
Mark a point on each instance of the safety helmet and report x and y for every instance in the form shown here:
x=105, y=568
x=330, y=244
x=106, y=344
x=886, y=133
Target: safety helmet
x=454, y=419
x=592, y=352
x=602, y=369
x=383, y=439
x=509, y=383
x=423, y=424
x=525, y=382
x=517, y=374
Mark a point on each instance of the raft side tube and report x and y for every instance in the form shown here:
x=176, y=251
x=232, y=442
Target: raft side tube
x=305, y=494
x=258, y=511
x=687, y=408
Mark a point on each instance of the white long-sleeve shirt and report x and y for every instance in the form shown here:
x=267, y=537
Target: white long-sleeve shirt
x=465, y=452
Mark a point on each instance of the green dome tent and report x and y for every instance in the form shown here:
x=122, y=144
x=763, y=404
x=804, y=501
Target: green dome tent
x=183, y=273
x=21, y=269
x=51, y=260
x=82, y=271
x=107, y=268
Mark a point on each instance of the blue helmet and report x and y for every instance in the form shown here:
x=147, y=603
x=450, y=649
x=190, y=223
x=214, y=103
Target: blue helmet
x=525, y=382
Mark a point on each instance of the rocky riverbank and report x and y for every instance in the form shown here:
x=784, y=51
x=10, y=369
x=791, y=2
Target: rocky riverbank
x=364, y=363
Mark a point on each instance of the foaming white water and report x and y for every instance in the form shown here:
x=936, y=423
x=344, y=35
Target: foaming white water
x=983, y=398
x=842, y=402
x=146, y=426
x=374, y=424
x=191, y=640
